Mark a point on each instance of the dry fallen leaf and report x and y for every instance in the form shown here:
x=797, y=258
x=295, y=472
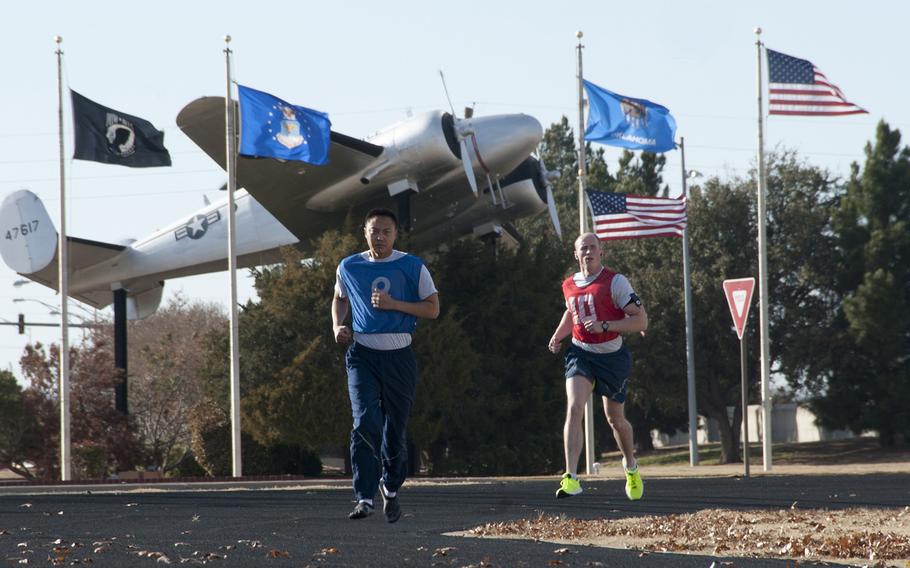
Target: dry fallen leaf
x=327, y=551
x=846, y=535
x=59, y=554
x=485, y=563
x=278, y=554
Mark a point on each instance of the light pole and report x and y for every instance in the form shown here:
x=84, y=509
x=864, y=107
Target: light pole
x=690, y=331
x=45, y=304
x=55, y=310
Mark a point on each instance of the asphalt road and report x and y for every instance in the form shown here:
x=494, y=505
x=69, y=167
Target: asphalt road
x=305, y=523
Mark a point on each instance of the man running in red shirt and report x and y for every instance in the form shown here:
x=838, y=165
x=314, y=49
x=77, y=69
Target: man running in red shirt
x=600, y=305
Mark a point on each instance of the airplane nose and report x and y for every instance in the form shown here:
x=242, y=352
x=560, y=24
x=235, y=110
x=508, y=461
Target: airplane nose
x=504, y=141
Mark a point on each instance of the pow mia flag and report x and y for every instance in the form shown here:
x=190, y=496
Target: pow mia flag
x=112, y=137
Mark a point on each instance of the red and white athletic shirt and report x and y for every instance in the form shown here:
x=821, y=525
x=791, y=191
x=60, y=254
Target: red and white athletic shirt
x=595, y=298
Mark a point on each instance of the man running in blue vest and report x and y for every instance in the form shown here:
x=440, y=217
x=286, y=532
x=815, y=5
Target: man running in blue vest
x=386, y=291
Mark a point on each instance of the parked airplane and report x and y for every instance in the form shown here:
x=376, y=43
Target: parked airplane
x=427, y=166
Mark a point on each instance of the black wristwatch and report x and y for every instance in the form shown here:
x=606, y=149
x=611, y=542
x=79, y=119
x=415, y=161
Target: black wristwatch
x=606, y=325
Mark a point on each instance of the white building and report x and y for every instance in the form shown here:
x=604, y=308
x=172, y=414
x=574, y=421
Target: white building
x=790, y=422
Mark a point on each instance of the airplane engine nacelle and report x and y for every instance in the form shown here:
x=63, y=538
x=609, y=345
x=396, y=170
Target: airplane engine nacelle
x=145, y=303
x=424, y=143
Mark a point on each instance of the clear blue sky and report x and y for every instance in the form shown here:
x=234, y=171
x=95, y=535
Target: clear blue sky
x=368, y=64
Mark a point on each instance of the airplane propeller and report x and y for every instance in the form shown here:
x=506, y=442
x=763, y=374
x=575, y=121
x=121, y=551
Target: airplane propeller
x=546, y=176
x=462, y=131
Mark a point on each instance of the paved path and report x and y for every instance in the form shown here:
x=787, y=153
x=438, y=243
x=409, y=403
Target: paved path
x=242, y=523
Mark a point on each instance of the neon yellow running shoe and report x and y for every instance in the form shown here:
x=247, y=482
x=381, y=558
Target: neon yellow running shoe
x=635, y=487
x=568, y=486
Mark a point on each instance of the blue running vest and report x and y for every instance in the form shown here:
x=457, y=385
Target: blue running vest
x=400, y=278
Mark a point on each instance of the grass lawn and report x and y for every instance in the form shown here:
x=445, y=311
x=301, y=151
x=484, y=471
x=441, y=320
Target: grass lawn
x=854, y=450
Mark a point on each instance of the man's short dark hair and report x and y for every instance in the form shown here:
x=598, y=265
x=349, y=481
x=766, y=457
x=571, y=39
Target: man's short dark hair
x=381, y=212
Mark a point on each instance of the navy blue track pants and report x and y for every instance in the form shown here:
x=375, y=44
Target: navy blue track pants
x=381, y=385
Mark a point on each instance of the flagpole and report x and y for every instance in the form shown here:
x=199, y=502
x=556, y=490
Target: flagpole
x=690, y=336
x=763, y=273
x=582, y=157
x=582, y=228
x=231, y=166
x=62, y=273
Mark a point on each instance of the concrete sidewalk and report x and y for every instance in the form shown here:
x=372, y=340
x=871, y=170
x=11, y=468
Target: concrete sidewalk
x=607, y=472
x=756, y=469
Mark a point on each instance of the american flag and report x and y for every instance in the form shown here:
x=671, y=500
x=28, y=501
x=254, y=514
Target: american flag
x=623, y=216
x=798, y=88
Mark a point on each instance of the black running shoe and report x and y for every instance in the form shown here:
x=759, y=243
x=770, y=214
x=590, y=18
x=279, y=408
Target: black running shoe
x=361, y=511
x=390, y=508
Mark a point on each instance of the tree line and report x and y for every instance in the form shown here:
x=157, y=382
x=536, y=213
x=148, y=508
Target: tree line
x=491, y=397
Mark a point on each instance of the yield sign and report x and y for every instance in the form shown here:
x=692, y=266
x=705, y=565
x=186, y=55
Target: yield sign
x=739, y=297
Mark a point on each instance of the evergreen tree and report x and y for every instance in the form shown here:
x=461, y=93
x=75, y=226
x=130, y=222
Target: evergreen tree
x=508, y=306
x=293, y=387
x=449, y=418
x=870, y=386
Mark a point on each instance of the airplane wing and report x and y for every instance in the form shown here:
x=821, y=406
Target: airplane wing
x=282, y=187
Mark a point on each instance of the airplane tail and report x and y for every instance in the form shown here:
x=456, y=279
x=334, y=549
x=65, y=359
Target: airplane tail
x=29, y=240
x=28, y=245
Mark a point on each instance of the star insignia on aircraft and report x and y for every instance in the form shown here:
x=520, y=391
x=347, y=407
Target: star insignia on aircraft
x=197, y=226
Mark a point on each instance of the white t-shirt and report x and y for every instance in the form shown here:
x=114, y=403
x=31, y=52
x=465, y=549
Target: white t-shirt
x=389, y=341
x=621, y=292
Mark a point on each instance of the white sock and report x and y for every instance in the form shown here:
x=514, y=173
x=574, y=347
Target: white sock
x=367, y=501
x=627, y=468
x=572, y=475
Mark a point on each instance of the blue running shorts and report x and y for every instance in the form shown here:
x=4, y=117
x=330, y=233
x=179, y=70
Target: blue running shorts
x=608, y=371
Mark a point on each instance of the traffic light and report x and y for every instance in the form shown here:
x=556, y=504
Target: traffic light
x=21, y=324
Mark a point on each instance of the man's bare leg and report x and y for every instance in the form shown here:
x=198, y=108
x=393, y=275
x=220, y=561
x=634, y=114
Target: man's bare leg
x=578, y=389
x=622, y=431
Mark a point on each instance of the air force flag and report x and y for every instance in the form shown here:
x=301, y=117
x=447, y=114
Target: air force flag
x=637, y=124
x=272, y=128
